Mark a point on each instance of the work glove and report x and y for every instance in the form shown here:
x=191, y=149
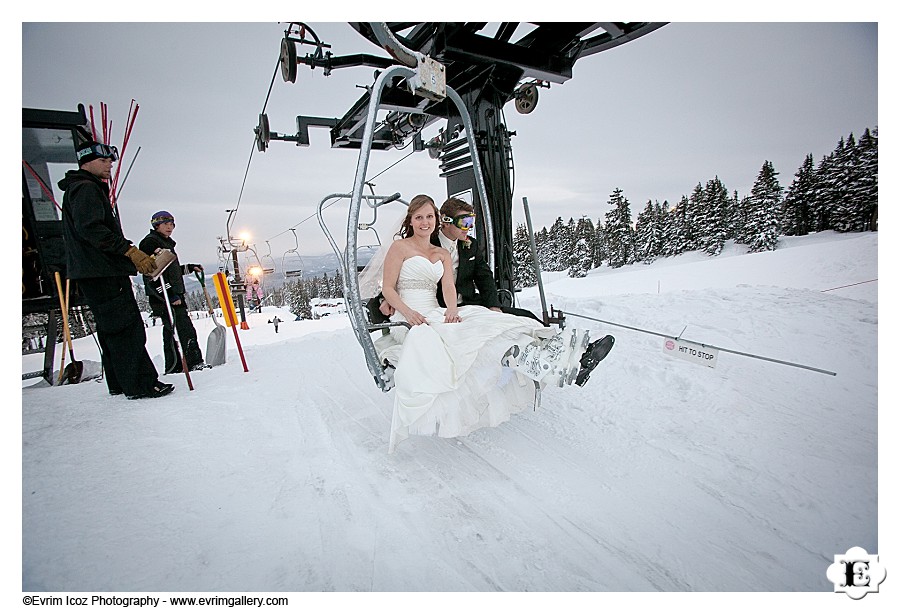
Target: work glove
x=194, y=267
x=145, y=264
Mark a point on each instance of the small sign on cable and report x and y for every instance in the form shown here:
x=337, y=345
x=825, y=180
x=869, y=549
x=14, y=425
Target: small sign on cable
x=692, y=352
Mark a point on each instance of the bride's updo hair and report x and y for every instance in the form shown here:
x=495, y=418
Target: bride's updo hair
x=419, y=201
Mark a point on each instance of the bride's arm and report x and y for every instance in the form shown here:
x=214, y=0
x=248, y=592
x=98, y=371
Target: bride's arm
x=448, y=289
x=392, y=263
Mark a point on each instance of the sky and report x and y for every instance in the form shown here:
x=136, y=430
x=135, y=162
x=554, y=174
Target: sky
x=737, y=484
x=653, y=117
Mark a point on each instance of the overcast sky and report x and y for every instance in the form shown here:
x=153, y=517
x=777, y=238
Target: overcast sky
x=653, y=117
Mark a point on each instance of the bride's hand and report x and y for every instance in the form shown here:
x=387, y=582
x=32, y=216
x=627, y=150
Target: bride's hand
x=414, y=318
x=452, y=315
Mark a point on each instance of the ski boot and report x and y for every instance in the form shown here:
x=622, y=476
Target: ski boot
x=579, y=345
x=596, y=351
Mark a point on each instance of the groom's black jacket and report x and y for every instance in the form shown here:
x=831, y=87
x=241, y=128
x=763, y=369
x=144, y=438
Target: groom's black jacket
x=474, y=283
x=474, y=279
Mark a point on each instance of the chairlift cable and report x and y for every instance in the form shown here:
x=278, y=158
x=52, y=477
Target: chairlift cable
x=306, y=219
x=265, y=104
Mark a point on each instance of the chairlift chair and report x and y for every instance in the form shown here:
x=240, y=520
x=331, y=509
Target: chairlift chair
x=362, y=327
x=292, y=267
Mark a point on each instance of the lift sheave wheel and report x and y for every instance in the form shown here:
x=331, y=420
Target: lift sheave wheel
x=288, y=60
x=263, y=135
x=526, y=99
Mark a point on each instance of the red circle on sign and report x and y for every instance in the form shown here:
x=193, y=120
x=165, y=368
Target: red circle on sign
x=670, y=345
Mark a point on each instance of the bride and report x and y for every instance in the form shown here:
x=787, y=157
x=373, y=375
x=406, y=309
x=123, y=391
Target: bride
x=449, y=380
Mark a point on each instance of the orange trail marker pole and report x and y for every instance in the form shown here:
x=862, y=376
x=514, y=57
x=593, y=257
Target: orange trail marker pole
x=224, y=293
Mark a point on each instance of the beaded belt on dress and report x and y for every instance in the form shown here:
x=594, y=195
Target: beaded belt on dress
x=416, y=284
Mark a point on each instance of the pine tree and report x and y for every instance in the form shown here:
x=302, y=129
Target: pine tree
x=765, y=203
x=865, y=192
x=619, y=230
x=680, y=235
x=598, y=245
x=337, y=285
x=796, y=217
x=647, y=232
x=843, y=173
x=855, y=211
x=693, y=219
x=558, y=246
x=298, y=299
x=712, y=218
x=524, y=275
x=542, y=242
x=583, y=229
x=667, y=231
x=830, y=187
x=581, y=259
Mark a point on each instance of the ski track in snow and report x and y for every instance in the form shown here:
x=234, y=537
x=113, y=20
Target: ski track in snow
x=658, y=475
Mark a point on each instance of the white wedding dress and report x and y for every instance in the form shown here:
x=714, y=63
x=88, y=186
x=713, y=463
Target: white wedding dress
x=449, y=380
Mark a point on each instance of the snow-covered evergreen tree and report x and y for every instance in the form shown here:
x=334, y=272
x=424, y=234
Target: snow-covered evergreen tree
x=619, y=231
x=582, y=229
x=542, y=242
x=581, y=259
x=558, y=246
x=648, y=233
x=865, y=191
x=524, y=275
x=680, y=237
x=598, y=245
x=765, y=201
x=855, y=211
x=713, y=225
x=796, y=218
x=843, y=173
x=667, y=237
x=298, y=299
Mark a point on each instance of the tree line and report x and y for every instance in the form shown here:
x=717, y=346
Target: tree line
x=839, y=193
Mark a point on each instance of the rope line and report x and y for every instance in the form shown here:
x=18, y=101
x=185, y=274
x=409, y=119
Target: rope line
x=849, y=285
x=706, y=345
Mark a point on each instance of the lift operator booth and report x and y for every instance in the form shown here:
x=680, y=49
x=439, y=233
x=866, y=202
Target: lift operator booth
x=48, y=151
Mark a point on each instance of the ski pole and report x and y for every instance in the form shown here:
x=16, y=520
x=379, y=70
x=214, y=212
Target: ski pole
x=184, y=366
x=162, y=284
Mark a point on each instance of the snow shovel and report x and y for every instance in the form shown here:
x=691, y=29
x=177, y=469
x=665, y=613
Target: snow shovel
x=164, y=258
x=215, y=343
x=72, y=371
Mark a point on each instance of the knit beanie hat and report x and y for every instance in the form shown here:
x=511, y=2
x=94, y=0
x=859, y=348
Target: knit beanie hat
x=161, y=217
x=92, y=150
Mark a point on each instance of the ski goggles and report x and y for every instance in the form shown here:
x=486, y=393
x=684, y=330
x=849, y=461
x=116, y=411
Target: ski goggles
x=463, y=221
x=98, y=150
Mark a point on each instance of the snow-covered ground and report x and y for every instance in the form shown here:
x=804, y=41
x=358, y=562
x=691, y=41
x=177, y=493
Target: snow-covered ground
x=658, y=475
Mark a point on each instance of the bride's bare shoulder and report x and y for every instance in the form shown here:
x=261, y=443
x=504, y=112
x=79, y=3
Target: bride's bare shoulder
x=399, y=249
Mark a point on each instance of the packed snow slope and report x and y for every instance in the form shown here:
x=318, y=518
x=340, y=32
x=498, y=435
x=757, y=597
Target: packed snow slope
x=658, y=475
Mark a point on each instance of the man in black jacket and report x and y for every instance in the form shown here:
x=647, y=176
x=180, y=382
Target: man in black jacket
x=101, y=260
x=160, y=237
